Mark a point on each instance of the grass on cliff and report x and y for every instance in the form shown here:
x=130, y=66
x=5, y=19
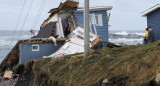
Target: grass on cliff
x=125, y=66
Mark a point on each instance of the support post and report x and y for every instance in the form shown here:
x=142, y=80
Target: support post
x=86, y=27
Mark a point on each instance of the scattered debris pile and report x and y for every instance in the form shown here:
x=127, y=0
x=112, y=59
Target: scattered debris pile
x=75, y=43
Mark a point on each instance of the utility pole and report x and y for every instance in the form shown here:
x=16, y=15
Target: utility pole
x=86, y=27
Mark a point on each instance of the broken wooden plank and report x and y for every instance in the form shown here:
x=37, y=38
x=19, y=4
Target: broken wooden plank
x=8, y=74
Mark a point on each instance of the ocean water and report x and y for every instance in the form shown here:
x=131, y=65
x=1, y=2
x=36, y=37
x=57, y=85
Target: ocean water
x=126, y=37
x=115, y=36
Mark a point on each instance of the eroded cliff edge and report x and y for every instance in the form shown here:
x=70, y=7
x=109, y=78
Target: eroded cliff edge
x=125, y=66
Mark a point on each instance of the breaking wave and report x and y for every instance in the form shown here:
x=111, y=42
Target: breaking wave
x=122, y=33
x=126, y=37
x=6, y=44
x=6, y=41
x=131, y=33
x=141, y=34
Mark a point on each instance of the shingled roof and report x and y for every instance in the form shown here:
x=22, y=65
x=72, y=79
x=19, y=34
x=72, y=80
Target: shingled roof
x=46, y=31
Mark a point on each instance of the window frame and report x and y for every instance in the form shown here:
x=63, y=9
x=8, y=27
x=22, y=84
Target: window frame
x=100, y=19
x=37, y=45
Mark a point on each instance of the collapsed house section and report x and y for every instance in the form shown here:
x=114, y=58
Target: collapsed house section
x=64, y=18
x=59, y=35
x=66, y=27
x=75, y=43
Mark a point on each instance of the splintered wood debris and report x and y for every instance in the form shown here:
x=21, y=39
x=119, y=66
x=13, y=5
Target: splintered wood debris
x=8, y=74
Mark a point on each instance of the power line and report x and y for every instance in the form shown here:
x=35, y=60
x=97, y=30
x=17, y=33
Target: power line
x=17, y=23
x=25, y=19
x=23, y=24
x=40, y=13
x=42, y=5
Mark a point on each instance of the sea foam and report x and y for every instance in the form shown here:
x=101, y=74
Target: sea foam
x=127, y=37
x=122, y=33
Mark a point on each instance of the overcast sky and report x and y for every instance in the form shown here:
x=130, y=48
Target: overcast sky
x=125, y=15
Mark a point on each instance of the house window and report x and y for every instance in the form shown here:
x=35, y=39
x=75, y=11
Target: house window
x=35, y=47
x=96, y=19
